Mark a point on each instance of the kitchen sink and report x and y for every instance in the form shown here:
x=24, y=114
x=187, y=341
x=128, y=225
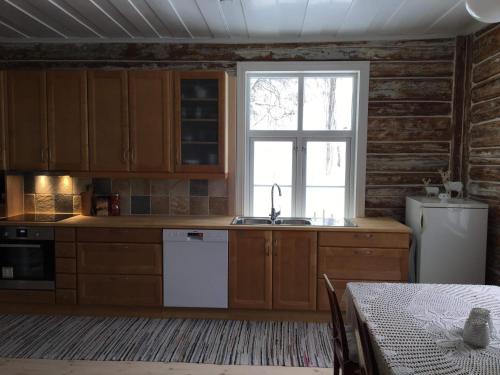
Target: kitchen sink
x=249, y=220
x=299, y=221
x=293, y=221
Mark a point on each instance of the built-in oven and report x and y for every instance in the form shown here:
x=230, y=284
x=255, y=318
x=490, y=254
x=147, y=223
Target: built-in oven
x=27, y=258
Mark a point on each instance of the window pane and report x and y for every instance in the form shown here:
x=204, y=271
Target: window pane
x=272, y=163
x=325, y=202
x=262, y=200
x=325, y=178
x=328, y=103
x=273, y=103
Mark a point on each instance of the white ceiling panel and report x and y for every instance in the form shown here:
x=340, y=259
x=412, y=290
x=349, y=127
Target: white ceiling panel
x=232, y=20
x=325, y=17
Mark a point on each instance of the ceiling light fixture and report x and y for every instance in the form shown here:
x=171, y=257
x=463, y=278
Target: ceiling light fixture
x=487, y=11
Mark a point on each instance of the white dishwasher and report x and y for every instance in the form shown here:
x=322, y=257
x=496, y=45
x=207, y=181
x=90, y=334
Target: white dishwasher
x=195, y=268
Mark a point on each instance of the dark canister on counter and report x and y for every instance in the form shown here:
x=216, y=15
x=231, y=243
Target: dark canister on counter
x=114, y=209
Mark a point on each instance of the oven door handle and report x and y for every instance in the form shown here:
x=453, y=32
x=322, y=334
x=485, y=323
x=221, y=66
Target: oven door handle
x=19, y=245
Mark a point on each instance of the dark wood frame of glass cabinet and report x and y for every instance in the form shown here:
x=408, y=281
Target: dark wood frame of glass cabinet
x=221, y=119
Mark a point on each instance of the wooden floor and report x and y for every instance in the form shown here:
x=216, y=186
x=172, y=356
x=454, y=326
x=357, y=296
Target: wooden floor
x=50, y=367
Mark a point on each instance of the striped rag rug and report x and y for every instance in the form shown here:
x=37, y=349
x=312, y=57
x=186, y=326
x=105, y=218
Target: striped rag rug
x=223, y=342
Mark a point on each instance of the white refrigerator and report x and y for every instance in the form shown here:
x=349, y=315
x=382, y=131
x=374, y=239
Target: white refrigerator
x=450, y=240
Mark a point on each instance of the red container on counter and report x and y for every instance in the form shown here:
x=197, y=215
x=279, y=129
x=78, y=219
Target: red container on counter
x=114, y=209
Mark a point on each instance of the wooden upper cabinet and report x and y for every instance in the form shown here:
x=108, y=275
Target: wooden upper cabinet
x=150, y=106
x=3, y=120
x=108, y=121
x=250, y=269
x=67, y=120
x=200, y=122
x=27, y=120
x=294, y=270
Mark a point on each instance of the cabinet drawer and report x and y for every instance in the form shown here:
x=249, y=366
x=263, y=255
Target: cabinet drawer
x=119, y=235
x=119, y=258
x=65, y=265
x=132, y=290
x=65, y=250
x=65, y=234
x=27, y=296
x=66, y=297
x=363, y=263
x=364, y=239
x=65, y=281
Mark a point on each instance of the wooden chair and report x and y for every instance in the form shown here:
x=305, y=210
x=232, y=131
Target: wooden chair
x=367, y=363
x=341, y=362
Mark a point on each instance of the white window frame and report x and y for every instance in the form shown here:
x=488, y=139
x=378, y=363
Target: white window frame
x=356, y=153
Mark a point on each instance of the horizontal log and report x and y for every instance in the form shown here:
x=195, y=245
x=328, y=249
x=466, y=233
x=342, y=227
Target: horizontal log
x=408, y=109
x=490, y=156
x=486, y=90
x=486, y=69
x=486, y=45
x=484, y=173
x=396, y=213
x=412, y=69
x=484, y=190
x=385, y=202
x=409, y=129
x=178, y=65
x=394, y=191
x=402, y=50
x=403, y=163
x=411, y=89
x=485, y=111
x=409, y=148
x=408, y=178
x=485, y=135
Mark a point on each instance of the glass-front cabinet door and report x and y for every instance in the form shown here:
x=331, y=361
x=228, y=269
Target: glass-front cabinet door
x=200, y=121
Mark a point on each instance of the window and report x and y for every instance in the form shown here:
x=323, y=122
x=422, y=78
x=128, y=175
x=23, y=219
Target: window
x=302, y=126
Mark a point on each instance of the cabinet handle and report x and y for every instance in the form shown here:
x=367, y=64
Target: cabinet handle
x=275, y=248
x=363, y=235
x=42, y=153
x=125, y=154
x=132, y=154
x=363, y=252
x=50, y=153
x=268, y=247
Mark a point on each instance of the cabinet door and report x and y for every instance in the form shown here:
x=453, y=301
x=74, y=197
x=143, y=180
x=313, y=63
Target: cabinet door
x=67, y=120
x=108, y=121
x=250, y=269
x=294, y=270
x=150, y=111
x=122, y=290
x=27, y=120
x=200, y=122
x=3, y=120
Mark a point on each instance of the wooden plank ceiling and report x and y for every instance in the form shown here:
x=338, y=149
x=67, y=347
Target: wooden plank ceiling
x=231, y=20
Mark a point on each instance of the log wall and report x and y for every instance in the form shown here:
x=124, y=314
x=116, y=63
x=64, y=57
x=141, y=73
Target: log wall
x=412, y=122
x=482, y=137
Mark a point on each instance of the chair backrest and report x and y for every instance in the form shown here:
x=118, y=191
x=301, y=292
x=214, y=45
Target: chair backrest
x=340, y=345
x=367, y=363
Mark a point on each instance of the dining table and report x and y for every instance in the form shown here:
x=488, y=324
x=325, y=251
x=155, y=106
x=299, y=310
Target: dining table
x=418, y=328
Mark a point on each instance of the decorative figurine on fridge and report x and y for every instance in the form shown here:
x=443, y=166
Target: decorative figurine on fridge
x=430, y=191
x=451, y=186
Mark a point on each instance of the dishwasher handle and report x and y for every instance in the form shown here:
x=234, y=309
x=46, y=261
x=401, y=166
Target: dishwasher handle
x=194, y=236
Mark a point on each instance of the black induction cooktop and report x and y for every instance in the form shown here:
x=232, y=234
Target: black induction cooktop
x=38, y=218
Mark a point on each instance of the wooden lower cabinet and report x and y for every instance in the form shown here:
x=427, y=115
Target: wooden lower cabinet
x=349, y=263
x=272, y=270
x=294, y=270
x=250, y=269
x=120, y=290
x=27, y=296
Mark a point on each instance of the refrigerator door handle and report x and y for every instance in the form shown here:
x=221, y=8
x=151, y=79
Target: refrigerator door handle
x=421, y=220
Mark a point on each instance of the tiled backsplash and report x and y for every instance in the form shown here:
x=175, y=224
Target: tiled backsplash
x=61, y=194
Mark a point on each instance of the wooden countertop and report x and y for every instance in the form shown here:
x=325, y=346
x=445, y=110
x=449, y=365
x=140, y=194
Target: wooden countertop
x=212, y=222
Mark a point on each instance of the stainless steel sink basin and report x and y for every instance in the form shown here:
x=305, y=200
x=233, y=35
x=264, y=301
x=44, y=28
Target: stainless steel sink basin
x=293, y=221
x=248, y=220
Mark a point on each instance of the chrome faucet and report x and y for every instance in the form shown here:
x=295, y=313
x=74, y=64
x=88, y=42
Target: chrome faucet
x=274, y=213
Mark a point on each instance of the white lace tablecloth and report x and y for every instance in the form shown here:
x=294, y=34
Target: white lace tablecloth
x=417, y=328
